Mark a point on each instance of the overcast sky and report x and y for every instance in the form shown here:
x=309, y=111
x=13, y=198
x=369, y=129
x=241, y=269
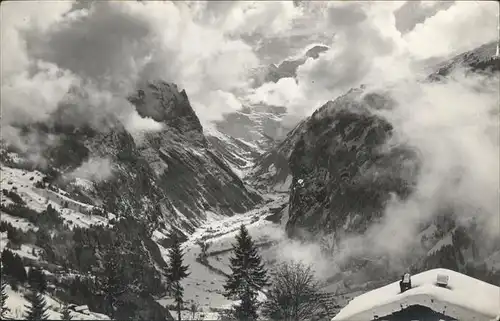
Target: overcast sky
x=209, y=48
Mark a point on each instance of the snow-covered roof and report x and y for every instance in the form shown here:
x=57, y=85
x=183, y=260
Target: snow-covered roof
x=465, y=298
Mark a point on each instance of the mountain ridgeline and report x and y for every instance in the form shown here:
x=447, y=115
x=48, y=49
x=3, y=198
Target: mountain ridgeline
x=340, y=176
x=168, y=177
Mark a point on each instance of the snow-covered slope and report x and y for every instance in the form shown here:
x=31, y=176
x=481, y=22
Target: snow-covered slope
x=21, y=181
x=237, y=152
x=167, y=177
x=204, y=285
x=258, y=124
x=17, y=303
x=465, y=298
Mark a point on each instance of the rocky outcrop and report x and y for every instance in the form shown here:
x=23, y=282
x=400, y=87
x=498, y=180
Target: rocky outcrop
x=271, y=171
x=339, y=168
x=342, y=174
x=334, y=161
x=194, y=176
x=168, y=177
x=481, y=59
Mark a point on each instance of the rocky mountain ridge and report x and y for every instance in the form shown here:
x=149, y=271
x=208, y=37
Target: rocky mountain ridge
x=259, y=125
x=168, y=177
x=340, y=180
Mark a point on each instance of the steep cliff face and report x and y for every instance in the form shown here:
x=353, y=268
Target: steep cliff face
x=340, y=170
x=334, y=164
x=342, y=174
x=272, y=171
x=192, y=174
x=168, y=177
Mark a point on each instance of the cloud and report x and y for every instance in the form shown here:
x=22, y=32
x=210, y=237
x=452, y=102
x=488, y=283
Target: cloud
x=266, y=18
x=362, y=35
x=30, y=97
x=414, y=12
x=453, y=127
x=107, y=43
x=94, y=169
x=463, y=26
x=282, y=93
x=29, y=144
x=368, y=48
x=207, y=47
x=110, y=46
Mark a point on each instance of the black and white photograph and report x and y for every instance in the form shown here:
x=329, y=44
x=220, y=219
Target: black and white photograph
x=250, y=160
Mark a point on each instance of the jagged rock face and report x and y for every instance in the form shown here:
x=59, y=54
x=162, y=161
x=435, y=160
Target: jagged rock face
x=271, y=171
x=481, y=59
x=339, y=168
x=341, y=179
x=131, y=190
x=193, y=176
x=165, y=104
x=235, y=151
x=168, y=177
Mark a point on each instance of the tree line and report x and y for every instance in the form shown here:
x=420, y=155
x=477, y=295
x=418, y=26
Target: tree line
x=290, y=290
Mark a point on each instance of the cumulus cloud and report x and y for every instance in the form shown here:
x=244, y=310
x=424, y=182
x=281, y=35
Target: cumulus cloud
x=453, y=127
x=362, y=33
x=193, y=44
x=412, y=13
x=107, y=47
x=463, y=26
x=266, y=18
x=368, y=47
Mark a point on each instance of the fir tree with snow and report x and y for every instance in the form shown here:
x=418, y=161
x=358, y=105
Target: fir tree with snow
x=37, y=309
x=175, y=272
x=248, y=276
x=3, y=297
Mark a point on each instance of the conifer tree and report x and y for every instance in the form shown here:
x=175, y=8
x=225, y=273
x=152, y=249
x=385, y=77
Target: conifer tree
x=3, y=297
x=248, y=276
x=112, y=281
x=37, y=310
x=37, y=280
x=13, y=266
x=66, y=313
x=175, y=272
